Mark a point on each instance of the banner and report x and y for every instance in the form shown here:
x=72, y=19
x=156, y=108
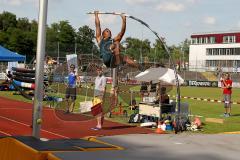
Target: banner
x=202, y=83
x=72, y=59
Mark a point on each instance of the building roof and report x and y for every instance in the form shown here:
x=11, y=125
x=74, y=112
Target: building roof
x=217, y=32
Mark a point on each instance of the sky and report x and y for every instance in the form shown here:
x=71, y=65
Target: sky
x=175, y=20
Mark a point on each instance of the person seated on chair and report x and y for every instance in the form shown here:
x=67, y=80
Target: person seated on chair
x=152, y=89
x=163, y=97
x=143, y=90
x=133, y=105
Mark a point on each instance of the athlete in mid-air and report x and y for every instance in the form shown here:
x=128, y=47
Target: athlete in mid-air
x=110, y=47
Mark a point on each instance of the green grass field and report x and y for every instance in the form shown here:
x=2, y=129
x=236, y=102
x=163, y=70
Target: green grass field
x=202, y=108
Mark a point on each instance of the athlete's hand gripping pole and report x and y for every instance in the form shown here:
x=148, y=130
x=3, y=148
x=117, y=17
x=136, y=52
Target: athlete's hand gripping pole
x=113, y=13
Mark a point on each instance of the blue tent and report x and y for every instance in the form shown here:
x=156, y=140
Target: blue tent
x=9, y=56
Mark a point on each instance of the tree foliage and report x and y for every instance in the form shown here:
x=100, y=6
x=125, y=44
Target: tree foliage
x=85, y=40
x=7, y=20
x=137, y=49
x=20, y=35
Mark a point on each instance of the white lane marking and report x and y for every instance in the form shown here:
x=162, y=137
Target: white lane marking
x=5, y=133
x=29, y=126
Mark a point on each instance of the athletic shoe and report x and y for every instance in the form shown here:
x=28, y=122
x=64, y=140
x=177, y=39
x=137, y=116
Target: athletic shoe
x=95, y=128
x=67, y=112
x=223, y=115
x=226, y=115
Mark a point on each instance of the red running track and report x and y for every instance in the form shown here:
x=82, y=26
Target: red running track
x=16, y=117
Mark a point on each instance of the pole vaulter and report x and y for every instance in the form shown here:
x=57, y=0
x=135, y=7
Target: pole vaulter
x=166, y=49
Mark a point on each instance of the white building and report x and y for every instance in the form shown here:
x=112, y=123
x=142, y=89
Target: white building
x=209, y=51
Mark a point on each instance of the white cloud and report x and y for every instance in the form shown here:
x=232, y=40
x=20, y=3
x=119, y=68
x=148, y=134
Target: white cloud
x=209, y=20
x=108, y=19
x=16, y=2
x=104, y=19
x=187, y=24
x=170, y=7
x=191, y=1
x=238, y=24
x=135, y=2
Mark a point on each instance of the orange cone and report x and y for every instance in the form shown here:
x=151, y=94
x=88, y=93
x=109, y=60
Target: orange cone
x=159, y=129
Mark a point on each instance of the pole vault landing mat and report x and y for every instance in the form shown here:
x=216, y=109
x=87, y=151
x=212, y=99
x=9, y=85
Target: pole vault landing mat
x=30, y=148
x=99, y=155
x=63, y=144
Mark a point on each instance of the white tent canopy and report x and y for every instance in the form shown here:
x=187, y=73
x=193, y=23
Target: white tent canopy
x=160, y=74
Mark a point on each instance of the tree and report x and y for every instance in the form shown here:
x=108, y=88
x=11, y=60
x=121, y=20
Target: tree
x=23, y=24
x=185, y=49
x=34, y=26
x=60, y=35
x=20, y=42
x=52, y=40
x=33, y=36
x=7, y=20
x=66, y=36
x=85, y=40
x=137, y=49
x=3, y=38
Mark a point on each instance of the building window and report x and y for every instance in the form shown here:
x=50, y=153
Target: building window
x=222, y=51
x=212, y=39
x=215, y=51
x=229, y=39
x=206, y=39
x=194, y=40
x=225, y=39
x=223, y=63
x=237, y=51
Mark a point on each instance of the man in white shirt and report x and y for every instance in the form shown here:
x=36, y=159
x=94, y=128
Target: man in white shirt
x=99, y=91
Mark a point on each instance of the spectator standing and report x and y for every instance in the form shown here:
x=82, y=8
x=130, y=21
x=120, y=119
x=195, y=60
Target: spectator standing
x=227, y=93
x=71, y=90
x=99, y=92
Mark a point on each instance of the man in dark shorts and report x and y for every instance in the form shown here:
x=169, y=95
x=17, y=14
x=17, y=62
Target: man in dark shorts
x=227, y=92
x=71, y=90
x=110, y=47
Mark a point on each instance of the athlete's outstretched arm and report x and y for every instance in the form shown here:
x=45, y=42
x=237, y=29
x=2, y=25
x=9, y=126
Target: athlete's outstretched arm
x=121, y=34
x=98, y=28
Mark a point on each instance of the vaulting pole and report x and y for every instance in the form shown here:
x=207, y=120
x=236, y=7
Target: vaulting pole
x=115, y=86
x=41, y=42
x=165, y=48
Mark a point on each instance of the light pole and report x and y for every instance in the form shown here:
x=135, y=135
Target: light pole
x=125, y=45
x=58, y=52
x=183, y=57
x=58, y=46
x=75, y=50
x=155, y=55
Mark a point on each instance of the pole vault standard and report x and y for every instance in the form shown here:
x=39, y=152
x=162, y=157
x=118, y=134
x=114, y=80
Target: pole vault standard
x=165, y=48
x=41, y=42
